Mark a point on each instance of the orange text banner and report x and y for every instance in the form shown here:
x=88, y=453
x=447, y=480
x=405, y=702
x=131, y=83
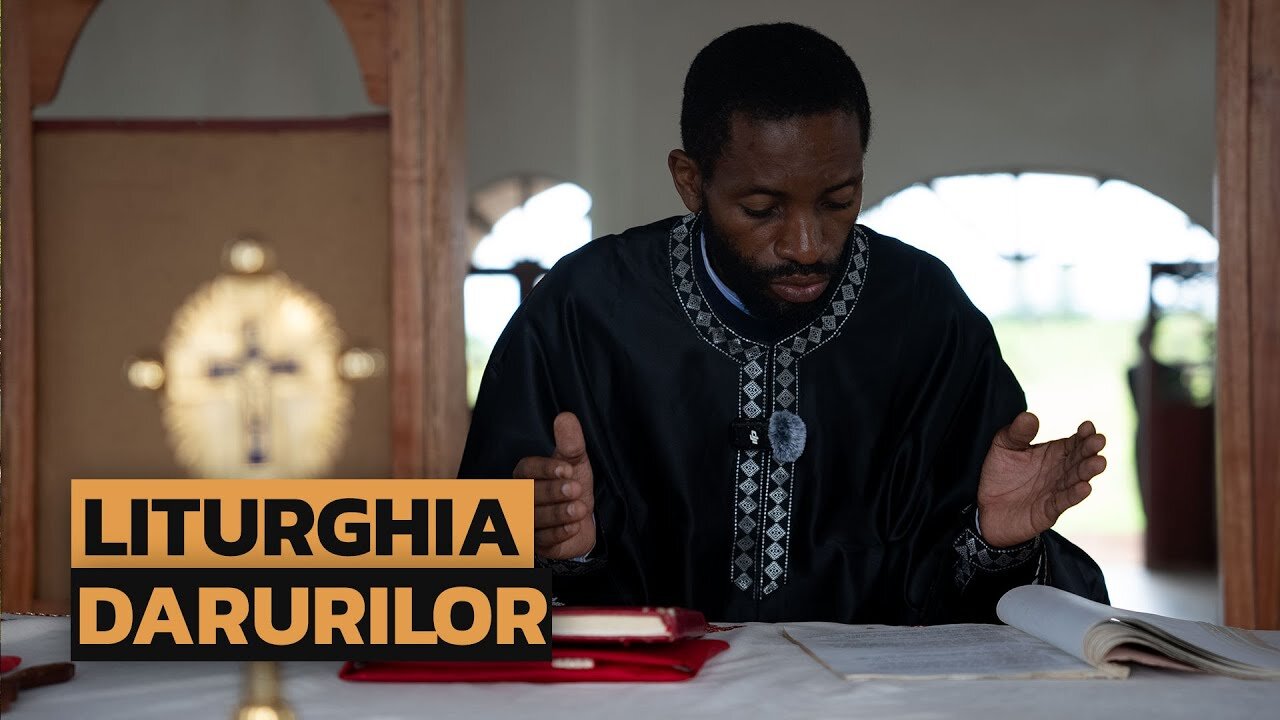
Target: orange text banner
x=301, y=523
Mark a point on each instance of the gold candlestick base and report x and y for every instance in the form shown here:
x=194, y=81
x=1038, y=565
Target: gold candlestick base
x=262, y=699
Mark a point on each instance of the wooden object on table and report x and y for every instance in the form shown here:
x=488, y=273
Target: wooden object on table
x=32, y=677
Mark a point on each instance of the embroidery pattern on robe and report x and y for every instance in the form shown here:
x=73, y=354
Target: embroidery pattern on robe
x=975, y=554
x=768, y=377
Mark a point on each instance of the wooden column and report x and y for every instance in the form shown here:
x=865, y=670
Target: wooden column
x=1248, y=228
x=428, y=256
x=17, y=334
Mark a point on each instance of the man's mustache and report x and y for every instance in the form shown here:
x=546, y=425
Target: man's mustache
x=795, y=269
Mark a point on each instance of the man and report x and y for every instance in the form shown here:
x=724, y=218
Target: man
x=763, y=410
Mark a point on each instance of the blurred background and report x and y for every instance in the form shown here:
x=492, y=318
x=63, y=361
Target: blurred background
x=1058, y=156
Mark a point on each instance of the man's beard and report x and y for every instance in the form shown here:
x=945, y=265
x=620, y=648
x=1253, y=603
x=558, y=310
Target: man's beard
x=751, y=283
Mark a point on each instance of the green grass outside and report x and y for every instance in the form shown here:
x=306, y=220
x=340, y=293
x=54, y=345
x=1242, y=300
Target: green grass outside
x=1073, y=369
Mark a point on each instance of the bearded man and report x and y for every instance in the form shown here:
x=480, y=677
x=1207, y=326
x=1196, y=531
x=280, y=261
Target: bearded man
x=763, y=410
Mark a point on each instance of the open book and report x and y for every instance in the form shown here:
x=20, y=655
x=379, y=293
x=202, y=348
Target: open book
x=1105, y=636
x=1050, y=634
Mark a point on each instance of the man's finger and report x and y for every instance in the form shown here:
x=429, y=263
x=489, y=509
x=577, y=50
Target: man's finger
x=1080, y=449
x=570, y=444
x=555, y=491
x=547, y=516
x=547, y=538
x=1088, y=436
x=542, y=468
x=562, y=551
x=1070, y=497
x=1091, y=467
x=1083, y=471
x=1019, y=434
x=1094, y=444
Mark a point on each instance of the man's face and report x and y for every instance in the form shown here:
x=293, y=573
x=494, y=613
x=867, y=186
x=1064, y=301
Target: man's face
x=780, y=206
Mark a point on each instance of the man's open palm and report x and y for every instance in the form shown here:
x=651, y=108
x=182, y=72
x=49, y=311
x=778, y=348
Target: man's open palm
x=1024, y=488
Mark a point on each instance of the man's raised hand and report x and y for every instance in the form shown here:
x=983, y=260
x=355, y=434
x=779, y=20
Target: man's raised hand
x=563, y=494
x=1024, y=488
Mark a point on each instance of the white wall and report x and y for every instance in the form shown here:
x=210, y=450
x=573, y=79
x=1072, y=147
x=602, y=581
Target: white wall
x=524, y=82
x=589, y=90
x=1118, y=88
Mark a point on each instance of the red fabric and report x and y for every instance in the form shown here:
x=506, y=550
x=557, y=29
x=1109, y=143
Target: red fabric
x=679, y=624
x=9, y=662
x=646, y=663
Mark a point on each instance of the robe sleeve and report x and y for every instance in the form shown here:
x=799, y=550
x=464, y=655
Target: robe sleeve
x=953, y=409
x=964, y=576
x=516, y=405
x=528, y=380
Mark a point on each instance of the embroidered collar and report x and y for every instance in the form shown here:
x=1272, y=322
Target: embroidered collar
x=708, y=323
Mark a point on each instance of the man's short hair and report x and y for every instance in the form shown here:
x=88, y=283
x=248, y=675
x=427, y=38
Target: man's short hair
x=766, y=72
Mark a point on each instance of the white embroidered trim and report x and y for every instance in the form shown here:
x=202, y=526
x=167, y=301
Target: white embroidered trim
x=974, y=554
x=772, y=384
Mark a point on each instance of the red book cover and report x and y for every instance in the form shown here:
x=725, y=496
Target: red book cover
x=589, y=644
x=591, y=663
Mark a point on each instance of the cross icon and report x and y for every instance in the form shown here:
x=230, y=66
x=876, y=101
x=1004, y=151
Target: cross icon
x=254, y=371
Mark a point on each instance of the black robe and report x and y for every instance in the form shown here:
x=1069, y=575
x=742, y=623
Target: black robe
x=899, y=382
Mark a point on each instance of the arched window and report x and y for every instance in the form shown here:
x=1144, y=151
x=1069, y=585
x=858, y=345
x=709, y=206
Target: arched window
x=1045, y=243
x=1089, y=282
x=518, y=227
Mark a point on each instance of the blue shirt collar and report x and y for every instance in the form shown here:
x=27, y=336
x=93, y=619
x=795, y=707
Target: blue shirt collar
x=728, y=294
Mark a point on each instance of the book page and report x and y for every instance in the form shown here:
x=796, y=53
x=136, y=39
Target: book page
x=1142, y=656
x=1232, y=644
x=1059, y=618
x=954, y=652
